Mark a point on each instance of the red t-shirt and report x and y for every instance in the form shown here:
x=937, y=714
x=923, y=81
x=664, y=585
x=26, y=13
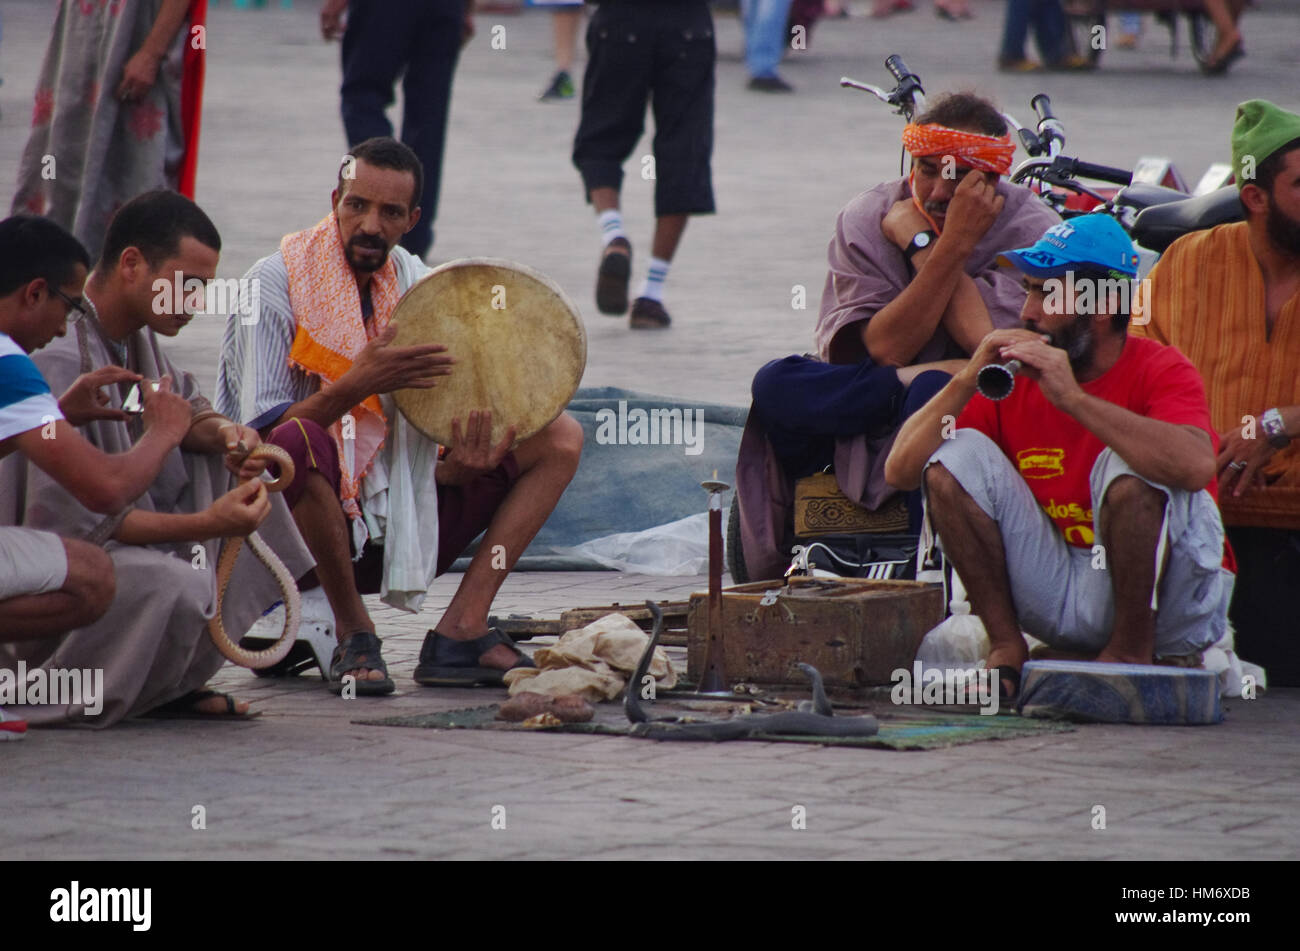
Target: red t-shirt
x=1053, y=451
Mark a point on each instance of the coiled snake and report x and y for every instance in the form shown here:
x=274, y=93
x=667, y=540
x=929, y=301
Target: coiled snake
x=226, y=567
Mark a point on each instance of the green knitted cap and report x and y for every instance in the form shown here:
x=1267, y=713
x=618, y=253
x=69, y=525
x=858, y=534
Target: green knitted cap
x=1259, y=130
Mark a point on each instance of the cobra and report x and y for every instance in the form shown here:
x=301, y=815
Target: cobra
x=226, y=567
x=813, y=718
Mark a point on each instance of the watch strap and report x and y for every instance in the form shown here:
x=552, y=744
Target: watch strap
x=913, y=248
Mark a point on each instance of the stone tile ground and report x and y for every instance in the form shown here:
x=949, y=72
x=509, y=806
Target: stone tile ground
x=303, y=781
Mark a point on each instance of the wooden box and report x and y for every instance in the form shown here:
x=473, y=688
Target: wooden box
x=855, y=631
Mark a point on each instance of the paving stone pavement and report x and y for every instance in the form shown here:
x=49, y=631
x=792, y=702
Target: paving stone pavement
x=303, y=781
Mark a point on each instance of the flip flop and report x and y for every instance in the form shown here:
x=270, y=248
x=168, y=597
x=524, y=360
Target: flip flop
x=445, y=662
x=182, y=708
x=1007, y=672
x=360, y=650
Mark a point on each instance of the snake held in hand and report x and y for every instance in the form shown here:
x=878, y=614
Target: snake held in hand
x=226, y=567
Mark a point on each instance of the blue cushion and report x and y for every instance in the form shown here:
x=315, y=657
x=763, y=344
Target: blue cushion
x=1118, y=693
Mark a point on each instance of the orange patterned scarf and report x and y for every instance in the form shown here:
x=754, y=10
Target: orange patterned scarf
x=988, y=153
x=327, y=308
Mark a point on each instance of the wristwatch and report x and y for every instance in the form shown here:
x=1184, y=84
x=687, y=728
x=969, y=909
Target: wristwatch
x=1274, y=429
x=920, y=241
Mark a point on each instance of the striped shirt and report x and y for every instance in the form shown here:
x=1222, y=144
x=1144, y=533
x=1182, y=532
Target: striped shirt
x=25, y=399
x=1207, y=298
x=255, y=382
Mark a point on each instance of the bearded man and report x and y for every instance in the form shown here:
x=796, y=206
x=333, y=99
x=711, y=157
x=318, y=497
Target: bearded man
x=912, y=287
x=1080, y=508
x=1229, y=298
x=313, y=370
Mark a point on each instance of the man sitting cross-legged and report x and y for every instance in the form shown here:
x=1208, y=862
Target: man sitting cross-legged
x=51, y=584
x=1081, y=508
x=911, y=289
x=153, y=644
x=310, y=371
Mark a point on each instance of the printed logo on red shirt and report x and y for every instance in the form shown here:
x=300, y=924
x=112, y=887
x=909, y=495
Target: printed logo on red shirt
x=1041, y=463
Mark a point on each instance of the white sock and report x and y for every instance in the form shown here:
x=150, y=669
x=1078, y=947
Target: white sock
x=654, y=280
x=611, y=225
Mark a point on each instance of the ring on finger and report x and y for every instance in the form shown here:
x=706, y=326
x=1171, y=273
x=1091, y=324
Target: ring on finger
x=1237, y=466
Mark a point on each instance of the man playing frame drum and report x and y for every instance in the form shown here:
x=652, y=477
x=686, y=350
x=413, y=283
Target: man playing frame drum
x=381, y=512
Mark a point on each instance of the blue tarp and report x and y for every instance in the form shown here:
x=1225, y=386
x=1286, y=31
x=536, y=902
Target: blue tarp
x=642, y=464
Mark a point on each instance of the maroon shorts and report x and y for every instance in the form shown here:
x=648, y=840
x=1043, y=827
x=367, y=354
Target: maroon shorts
x=464, y=511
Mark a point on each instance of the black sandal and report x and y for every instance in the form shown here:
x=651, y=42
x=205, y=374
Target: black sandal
x=1007, y=672
x=360, y=650
x=445, y=662
x=182, y=708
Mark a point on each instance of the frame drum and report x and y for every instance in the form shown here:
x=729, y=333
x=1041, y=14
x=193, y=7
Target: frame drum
x=518, y=341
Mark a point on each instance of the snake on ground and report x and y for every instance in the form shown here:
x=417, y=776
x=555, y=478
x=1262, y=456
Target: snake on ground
x=815, y=718
x=226, y=566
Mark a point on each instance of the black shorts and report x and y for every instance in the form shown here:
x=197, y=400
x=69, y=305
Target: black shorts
x=663, y=53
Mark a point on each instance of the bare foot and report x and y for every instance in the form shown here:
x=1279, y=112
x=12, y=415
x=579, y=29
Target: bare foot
x=1114, y=657
x=365, y=673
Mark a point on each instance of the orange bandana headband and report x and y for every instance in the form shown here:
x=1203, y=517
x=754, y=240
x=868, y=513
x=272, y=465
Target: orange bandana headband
x=987, y=153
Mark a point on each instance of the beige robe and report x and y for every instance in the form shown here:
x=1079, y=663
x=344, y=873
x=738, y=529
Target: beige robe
x=153, y=644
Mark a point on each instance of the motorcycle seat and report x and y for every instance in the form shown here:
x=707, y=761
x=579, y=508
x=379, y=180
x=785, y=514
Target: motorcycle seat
x=1160, y=226
x=1140, y=195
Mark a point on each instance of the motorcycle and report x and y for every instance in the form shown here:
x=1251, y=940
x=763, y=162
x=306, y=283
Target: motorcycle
x=1150, y=203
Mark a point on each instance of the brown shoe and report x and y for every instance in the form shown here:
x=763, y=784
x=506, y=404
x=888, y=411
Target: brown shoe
x=1019, y=66
x=612, y=277
x=1074, y=62
x=648, y=314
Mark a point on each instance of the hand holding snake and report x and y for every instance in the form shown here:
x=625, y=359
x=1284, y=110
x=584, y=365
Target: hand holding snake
x=254, y=460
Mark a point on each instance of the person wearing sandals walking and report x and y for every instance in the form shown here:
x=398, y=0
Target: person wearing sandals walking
x=638, y=50
x=309, y=371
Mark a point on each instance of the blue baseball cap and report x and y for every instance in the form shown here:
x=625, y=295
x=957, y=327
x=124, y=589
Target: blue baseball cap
x=1087, y=241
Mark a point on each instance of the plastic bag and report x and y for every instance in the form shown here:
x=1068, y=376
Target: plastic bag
x=958, y=641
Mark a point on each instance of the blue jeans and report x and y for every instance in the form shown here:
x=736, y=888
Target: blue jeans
x=804, y=405
x=1048, y=21
x=765, y=37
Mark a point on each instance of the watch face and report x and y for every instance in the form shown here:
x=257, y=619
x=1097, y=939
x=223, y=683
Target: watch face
x=921, y=240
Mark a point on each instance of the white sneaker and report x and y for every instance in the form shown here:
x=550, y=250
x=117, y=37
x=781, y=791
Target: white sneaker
x=11, y=727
